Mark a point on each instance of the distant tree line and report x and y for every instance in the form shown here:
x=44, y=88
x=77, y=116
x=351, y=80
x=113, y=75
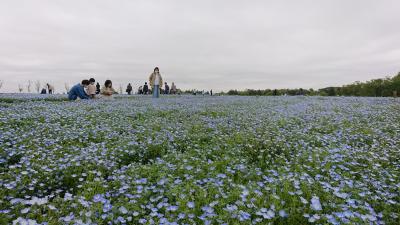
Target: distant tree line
x=272, y=92
x=389, y=86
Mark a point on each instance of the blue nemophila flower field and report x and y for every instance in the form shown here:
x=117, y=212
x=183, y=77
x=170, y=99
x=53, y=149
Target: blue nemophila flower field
x=199, y=160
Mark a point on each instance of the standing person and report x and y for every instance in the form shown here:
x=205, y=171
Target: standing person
x=166, y=91
x=156, y=82
x=78, y=90
x=91, y=89
x=107, y=91
x=145, y=88
x=211, y=92
x=173, y=88
x=50, y=88
x=140, y=91
x=97, y=88
x=129, y=89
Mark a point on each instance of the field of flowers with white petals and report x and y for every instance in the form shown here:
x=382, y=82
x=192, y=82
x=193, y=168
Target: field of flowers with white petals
x=199, y=160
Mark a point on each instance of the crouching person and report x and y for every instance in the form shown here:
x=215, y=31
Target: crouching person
x=78, y=91
x=107, y=91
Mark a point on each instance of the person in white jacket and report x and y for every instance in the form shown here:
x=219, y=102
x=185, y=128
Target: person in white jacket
x=50, y=88
x=107, y=91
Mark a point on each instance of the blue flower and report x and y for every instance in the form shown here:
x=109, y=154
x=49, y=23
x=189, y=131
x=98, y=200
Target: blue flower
x=207, y=209
x=107, y=207
x=244, y=215
x=98, y=198
x=190, y=205
x=282, y=213
x=172, y=208
x=315, y=204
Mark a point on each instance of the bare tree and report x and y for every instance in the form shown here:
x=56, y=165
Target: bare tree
x=66, y=86
x=20, y=88
x=29, y=86
x=37, y=86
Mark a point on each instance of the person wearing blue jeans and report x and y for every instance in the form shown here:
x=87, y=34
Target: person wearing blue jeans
x=156, y=82
x=78, y=90
x=156, y=91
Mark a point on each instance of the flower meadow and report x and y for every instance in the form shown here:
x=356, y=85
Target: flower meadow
x=199, y=160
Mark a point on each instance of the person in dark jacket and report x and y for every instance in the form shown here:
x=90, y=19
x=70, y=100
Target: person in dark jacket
x=78, y=90
x=97, y=88
x=129, y=89
x=166, y=90
x=145, y=88
x=43, y=91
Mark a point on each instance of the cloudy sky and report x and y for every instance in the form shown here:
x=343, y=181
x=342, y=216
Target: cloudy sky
x=207, y=44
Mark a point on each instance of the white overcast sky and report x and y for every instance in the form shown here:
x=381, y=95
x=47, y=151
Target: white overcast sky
x=202, y=44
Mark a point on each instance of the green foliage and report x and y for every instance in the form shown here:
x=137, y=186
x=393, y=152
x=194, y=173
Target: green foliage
x=386, y=87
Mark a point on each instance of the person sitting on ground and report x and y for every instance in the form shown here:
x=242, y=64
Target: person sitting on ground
x=43, y=91
x=145, y=88
x=91, y=89
x=50, y=88
x=166, y=90
x=173, y=88
x=107, y=91
x=78, y=90
x=129, y=89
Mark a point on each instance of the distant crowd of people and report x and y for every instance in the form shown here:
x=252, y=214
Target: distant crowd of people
x=48, y=88
x=88, y=89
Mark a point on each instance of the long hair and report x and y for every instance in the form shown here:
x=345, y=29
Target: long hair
x=108, y=82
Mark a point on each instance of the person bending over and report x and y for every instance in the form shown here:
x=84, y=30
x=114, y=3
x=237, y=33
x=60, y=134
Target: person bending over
x=78, y=91
x=107, y=90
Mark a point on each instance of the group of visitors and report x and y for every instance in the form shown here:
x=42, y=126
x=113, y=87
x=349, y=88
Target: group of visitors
x=170, y=91
x=48, y=88
x=156, y=82
x=88, y=90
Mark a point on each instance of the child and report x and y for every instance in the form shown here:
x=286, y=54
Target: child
x=91, y=89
